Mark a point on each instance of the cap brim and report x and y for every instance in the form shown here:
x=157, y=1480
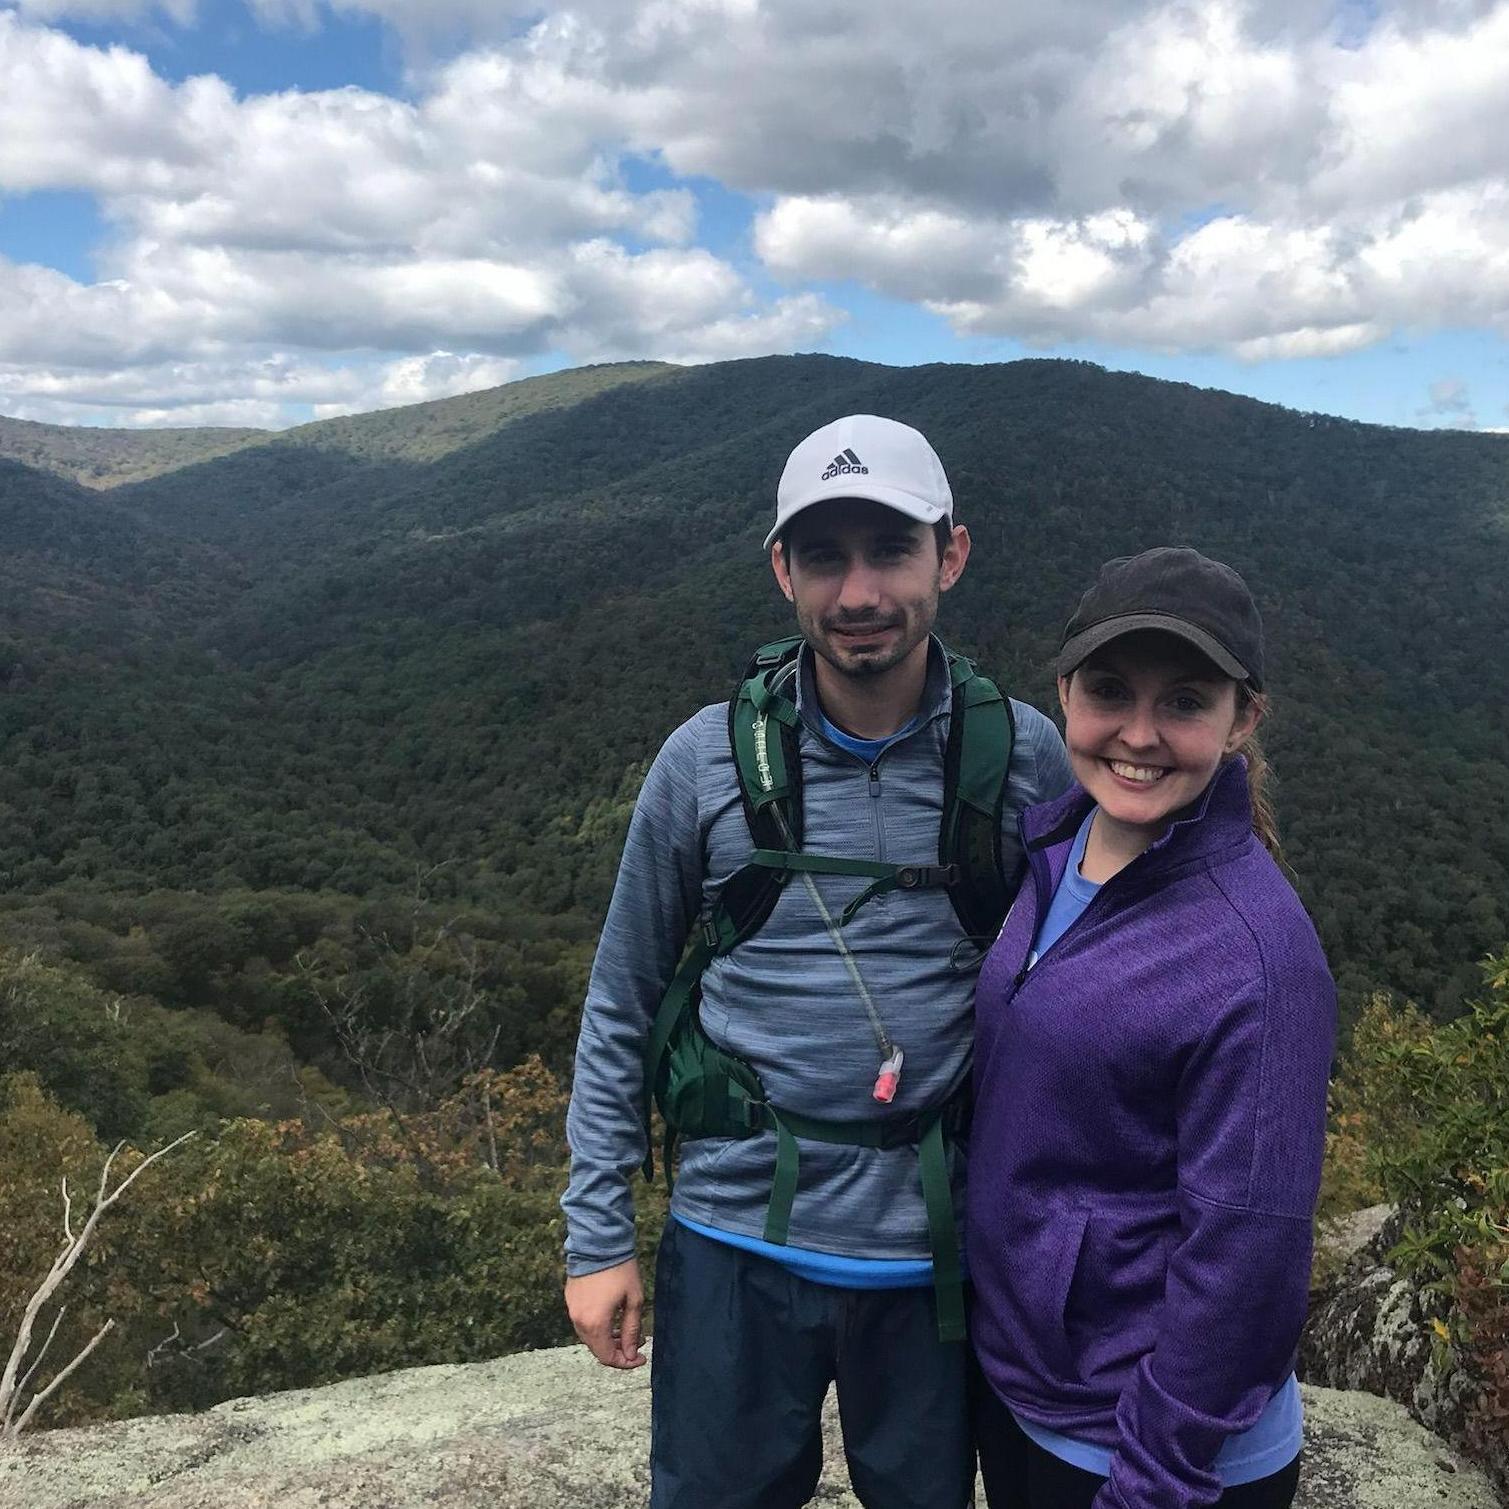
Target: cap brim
x=1077, y=650
x=875, y=492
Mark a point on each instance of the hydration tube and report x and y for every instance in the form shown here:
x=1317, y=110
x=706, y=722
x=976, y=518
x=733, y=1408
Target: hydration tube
x=888, y=1078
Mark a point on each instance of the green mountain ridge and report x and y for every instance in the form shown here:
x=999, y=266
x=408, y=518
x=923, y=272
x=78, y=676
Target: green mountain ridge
x=103, y=458
x=455, y=636
x=265, y=492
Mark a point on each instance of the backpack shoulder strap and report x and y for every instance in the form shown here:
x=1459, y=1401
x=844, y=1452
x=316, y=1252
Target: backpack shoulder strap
x=978, y=756
x=762, y=734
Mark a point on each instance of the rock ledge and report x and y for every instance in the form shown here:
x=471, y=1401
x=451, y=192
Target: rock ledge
x=552, y=1430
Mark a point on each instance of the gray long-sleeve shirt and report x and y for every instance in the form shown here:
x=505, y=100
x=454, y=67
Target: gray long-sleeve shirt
x=783, y=999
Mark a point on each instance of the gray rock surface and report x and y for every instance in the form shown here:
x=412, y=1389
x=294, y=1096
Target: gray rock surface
x=1372, y=1330
x=552, y=1430
x=1346, y=1236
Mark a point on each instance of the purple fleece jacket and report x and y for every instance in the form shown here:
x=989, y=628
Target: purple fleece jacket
x=1150, y=1105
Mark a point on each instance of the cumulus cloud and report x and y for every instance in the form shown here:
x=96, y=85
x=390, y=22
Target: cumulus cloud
x=181, y=11
x=1448, y=405
x=1268, y=178
x=259, y=392
x=1209, y=180
x=1251, y=177
x=490, y=217
x=1449, y=396
x=1259, y=288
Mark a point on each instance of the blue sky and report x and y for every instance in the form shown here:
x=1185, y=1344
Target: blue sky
x=263, y=211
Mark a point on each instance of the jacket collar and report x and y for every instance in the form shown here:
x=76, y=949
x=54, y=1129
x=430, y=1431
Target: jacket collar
x=937, y=693
x=1219, y=820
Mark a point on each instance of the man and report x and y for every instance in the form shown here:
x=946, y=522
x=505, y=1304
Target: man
x=751, y=1330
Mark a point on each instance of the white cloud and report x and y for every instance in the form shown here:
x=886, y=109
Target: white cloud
x=1310, y=340
x=1448, y=395
x=1238, y=175
x=1415, y=111
x=262, y=392
x=1231, y=175
x=1259, y=289
x=488, y=217
x=419, y=379
x=97, y=11
x=1449, y=405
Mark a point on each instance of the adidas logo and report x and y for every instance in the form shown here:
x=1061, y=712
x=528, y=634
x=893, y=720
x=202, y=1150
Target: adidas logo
x=844, y=464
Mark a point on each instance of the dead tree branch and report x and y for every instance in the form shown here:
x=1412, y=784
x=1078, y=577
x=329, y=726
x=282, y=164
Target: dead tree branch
x=13, y=1418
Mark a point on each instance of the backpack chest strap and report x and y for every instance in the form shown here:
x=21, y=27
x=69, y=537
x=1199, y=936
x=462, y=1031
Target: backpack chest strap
x=884, y=877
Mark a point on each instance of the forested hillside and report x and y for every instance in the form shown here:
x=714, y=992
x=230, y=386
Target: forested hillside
x=315, y=755
x=453, y=635
x=106, y=458
x=85, y=584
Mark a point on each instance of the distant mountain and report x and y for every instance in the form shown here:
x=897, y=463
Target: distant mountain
x=83, y=583
x=107, y=458
x=459, y=631
x=309, y=454
x=260, y=499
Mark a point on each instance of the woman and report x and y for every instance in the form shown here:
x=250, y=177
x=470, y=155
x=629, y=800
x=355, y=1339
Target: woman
x=1155, y=1027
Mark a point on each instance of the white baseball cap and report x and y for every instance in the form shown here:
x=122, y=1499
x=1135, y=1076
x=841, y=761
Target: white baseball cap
x=864, y=456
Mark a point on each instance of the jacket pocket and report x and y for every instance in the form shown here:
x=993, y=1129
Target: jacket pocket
x=1114, y=1303
x=1034, y=1262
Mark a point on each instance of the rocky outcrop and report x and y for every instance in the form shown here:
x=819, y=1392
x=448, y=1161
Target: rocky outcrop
x=552, y=1430
x=1372, y=1329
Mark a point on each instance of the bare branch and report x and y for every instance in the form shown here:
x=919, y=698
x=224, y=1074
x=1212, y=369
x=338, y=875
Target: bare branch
x=175, y=1346
x=62, y=1266
x=163, y=1345
x=105, y=1173
x=492, y=1135
x=10, y=1408
x=136, y=1172
x=52, y=1388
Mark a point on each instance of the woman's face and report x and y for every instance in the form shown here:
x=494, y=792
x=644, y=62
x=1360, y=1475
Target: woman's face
x=1148, y=719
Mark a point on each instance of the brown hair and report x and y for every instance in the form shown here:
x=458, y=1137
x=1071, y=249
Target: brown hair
x=1260, y=777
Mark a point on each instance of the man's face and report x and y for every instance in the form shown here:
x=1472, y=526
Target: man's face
x=865, y=580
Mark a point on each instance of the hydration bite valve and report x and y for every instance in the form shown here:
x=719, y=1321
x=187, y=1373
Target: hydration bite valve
x=889, y=1079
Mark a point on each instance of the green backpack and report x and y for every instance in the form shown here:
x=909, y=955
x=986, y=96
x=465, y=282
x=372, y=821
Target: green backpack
x=701, y=1090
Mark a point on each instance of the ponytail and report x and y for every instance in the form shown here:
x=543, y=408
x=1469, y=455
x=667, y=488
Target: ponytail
x=1260, y=777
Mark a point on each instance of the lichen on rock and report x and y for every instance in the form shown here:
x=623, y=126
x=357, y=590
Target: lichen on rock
x=553, y=1430
x=1375, y=1330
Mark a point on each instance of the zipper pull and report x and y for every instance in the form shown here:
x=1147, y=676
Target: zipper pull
x=889, y=1079
x=875, y=780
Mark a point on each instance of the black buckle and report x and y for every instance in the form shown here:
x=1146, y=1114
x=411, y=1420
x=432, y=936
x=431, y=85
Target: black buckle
x=910, y=877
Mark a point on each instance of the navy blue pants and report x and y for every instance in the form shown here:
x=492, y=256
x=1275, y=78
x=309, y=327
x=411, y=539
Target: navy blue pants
x=744, y=1352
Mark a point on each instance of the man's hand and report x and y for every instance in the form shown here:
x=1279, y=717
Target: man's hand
x=607, y=1309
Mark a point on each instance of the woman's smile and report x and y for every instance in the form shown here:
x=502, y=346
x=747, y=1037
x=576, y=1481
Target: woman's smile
x=1140, y=775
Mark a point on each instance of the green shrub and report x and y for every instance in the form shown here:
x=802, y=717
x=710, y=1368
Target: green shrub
x=1434, y=1103
x=1428, y=1105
